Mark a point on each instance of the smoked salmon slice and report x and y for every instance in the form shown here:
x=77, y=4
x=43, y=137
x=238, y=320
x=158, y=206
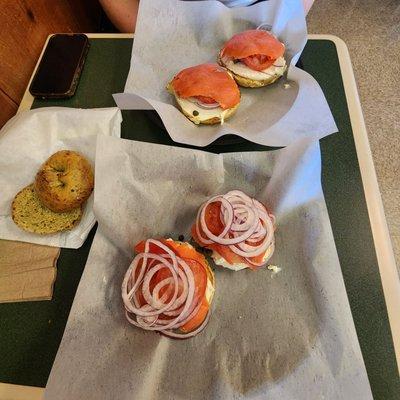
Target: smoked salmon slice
x=208, y=82
x=258, y=49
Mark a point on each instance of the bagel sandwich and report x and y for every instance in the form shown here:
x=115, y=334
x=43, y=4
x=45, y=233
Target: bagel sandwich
x=205, y=94
x=168, y=288
x=254, y=57
x=238, y=229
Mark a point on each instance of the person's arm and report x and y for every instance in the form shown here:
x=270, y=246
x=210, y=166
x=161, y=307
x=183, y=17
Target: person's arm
x=122, y=13
x=307, y=5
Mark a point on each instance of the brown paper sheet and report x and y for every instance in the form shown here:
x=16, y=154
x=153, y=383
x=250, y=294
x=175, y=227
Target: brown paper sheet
x=27, y=271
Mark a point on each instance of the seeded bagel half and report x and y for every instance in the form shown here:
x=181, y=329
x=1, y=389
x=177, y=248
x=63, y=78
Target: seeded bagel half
x=64, y=181
x=32, y=216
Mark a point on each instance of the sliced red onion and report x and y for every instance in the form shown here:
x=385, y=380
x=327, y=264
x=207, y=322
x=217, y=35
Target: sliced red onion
x=248, y=226
x=265, y=27
x=150, y=316
x=273, y=219
x=206, y=106
x=224, y=238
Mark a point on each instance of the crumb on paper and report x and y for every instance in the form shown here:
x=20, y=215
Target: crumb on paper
x=275, y=270
x=286, y=85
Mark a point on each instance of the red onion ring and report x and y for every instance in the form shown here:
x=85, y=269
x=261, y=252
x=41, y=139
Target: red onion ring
x=225, y=60
x=208, y=106
x=248, y=227
x=149, y=316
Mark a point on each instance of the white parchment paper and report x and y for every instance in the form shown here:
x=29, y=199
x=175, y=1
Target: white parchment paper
x=172, y=35
x=288, y=336
x=26, y=142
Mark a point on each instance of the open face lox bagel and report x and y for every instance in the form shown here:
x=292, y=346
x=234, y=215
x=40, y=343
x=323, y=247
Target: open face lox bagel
x=168, y=288
x=254, y=57
x=205, y=93
x=238, y=229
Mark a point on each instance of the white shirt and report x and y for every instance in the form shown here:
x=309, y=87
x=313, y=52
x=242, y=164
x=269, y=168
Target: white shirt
x=237, y=3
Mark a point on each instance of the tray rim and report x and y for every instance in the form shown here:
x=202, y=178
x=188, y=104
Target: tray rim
x=382, y=242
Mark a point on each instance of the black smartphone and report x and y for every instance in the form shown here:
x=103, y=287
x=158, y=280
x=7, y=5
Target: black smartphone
x=58, y=73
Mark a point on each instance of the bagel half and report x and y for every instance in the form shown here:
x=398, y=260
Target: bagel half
x=32, y=216
x=64, y=181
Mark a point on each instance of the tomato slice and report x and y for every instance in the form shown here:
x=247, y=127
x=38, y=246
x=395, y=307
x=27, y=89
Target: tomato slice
x=201, y=314
x=213, y=218
x=205, y=99
x=213, y=222
x=258, y=62
x=200, y=279
x=198, y=319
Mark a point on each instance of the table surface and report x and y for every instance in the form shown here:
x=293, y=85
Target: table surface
x=377, y=81
x=31, y=332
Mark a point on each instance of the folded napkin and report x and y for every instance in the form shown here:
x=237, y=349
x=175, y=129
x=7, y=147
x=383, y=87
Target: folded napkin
x=27, y=271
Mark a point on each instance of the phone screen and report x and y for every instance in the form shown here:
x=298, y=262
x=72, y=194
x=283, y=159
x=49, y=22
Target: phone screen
x=60, y=66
